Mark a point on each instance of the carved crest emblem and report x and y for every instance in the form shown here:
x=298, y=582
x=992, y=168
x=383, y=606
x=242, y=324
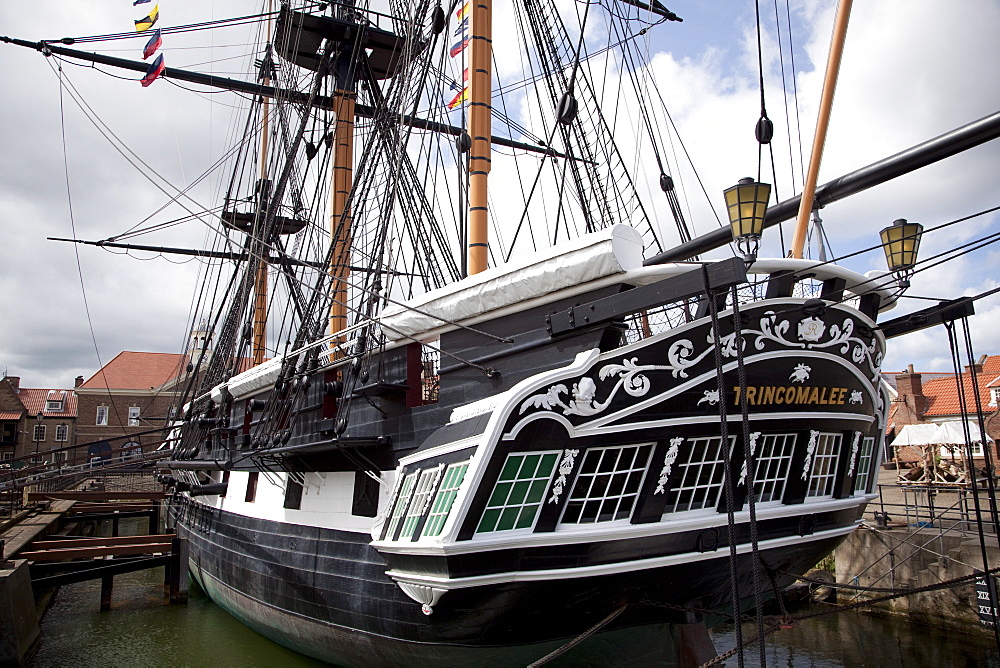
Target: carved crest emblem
x=856, y=397
x=800, y=373
x=811, y=329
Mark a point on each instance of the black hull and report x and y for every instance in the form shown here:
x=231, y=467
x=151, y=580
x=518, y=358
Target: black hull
x=324, y=593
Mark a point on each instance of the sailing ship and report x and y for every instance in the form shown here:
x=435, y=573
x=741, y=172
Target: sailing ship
x=396, y=454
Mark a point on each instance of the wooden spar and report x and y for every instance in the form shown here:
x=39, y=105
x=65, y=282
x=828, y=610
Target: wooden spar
x=822, y=122
x=340, y=215
x=480, y=112
x=260, y=281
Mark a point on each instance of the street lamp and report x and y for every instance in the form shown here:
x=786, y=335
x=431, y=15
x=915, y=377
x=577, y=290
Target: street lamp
x=900, y=242
x=746, y=203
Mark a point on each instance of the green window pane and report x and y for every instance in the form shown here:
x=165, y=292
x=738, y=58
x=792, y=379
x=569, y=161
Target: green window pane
x=510, y=468
x=507, y=519
x=489, y=521
x=500, y=494
x=537, y=491
x=529, y=467
x=518, y=492
x=526, y=517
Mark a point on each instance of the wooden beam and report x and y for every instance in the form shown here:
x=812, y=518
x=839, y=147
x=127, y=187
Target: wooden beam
x=91, y=552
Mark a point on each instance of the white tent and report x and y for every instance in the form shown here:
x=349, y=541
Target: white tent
x=915, y=434
x=951, y=433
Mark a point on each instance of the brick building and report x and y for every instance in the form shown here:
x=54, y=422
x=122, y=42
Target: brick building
x=122, y=406
x=34, y=422
x=933, y=398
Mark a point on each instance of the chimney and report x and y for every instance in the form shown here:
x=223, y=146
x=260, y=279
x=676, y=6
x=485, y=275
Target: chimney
x=911, y=391
x=78, y=381
x=978, y=366
x=15, y=383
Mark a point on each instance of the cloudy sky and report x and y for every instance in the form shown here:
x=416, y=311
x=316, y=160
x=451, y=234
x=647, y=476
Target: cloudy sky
x=913, y=69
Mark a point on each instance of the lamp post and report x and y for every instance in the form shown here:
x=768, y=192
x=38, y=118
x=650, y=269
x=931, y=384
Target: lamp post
x=900, y=241
x=746, y=204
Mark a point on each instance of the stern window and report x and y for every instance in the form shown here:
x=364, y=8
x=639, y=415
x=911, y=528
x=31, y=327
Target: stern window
x=824, y=465
x=445, y=498
x=519, y=492
x=608, y=483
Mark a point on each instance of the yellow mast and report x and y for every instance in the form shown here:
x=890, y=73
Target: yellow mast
x=260, y=283
x=480, y=116
x=822, y=122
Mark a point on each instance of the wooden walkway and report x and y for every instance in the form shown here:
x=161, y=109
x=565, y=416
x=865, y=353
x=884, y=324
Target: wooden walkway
x=34, y=525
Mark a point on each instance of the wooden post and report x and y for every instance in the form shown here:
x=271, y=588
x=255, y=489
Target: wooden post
x=166, y=567
x=107, y=585
x=114, y=526
x=154, y=519
x=178, y=571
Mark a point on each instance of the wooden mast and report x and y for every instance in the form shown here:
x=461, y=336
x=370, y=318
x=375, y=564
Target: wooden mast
x=480, y=116
x=340, y=215
x=822, y=122
x=260, y=282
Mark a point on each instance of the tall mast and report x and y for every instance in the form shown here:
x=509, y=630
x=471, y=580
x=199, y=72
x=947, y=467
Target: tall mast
x=260, y=283
x=822, y=122
x=480, y=113
x=342, y=178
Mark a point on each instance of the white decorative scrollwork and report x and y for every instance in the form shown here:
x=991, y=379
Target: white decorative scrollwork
x=711, y=396
x=854, y=452
x=856, y=397
x=565, y=468
x=753, y=450
x=668, y=463
x=800, y=373
x=810, y=449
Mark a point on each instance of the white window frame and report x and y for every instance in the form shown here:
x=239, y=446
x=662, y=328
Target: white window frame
x=62, y=433
x=102, y=416
x=688, y=483
x=133, y=416
x=594, y=487
x=53, y=405
x=420, y=499
x=7, y=456
x=454, y=475
x=772, y=466
x=402, y=502
x=38, y=433
x=863, y=474
x=60, y=457
x=823, y=468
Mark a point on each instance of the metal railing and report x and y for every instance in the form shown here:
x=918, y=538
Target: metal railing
x=947, y=509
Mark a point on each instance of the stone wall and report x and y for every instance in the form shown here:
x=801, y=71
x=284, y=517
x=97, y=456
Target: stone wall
x=903, y=558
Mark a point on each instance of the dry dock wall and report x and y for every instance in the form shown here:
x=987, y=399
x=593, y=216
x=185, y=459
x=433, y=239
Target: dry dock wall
x=904, y=558
x=19, y=634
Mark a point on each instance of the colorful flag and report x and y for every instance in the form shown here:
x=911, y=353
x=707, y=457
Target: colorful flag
x=155, y=69
x=459, y=46
x=142, y=25
x=152, y=45
x=462, y=31
x=139, y=2
x=460, y=98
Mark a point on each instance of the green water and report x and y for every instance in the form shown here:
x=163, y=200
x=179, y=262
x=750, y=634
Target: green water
x=142, y=629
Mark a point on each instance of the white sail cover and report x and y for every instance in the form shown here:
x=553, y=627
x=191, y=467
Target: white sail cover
x=915, y=434
x=587, y=258
x=952, y=433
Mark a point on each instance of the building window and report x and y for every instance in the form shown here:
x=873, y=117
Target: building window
x=59, y=457
x=36, y=460
x=863, y=474
x=771, y=472
x=700, y=475
x=102, y=415
x=445, y=498
x=53, y=405
x=607, y=485
x=133, y=416
x=39, y=434
x=62, y=433
x=824, y=465
x=519, y=492
x=7, y=456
